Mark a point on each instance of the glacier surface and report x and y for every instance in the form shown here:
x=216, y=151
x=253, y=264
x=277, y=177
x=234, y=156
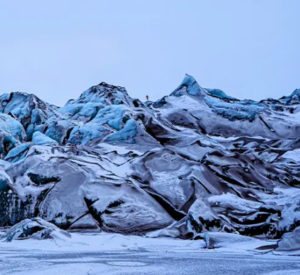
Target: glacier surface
x=195, y=164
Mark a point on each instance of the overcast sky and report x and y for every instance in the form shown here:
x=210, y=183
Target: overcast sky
x=58, y=48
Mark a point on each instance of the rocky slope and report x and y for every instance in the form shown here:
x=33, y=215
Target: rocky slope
x=194, y=161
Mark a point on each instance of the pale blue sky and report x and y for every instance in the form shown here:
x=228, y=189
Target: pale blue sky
x=58, y=48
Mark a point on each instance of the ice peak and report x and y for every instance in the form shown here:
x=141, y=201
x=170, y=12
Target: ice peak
x=110, y=86
x=104, y=93
x=190, y=86
x=293, y=98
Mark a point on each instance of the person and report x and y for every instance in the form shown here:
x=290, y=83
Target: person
x=147, y=97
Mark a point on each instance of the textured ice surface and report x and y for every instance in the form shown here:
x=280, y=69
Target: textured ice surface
x=18, y=152
x=228, y=241
x=35, y=228
x=189, y=85
x=113, y=254
x=290, y=243
x=28, y=109
x=193, y=162
x=39, y=138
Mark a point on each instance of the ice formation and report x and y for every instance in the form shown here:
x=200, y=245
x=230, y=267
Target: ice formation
x=193, y=162
x=35, y=228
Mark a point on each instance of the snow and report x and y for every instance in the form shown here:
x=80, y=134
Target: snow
x=90, y=242
x=196, y=161
x=35, y=228
x=290, y=242
x=202, y=218
x=293, y=154
x=234, y=202
x=97, y=253
x=233, y=242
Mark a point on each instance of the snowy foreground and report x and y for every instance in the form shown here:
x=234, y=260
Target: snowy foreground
x=94, y=253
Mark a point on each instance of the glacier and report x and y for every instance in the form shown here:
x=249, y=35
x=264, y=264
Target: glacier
x=195, y=165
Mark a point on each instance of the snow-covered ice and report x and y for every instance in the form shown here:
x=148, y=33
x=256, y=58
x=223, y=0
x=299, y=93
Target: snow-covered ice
x=91, y=253
x=195, y=169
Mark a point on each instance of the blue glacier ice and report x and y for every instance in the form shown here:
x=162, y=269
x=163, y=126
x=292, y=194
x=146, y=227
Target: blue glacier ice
x=85, y=133
x=188, y=85
x=193, y=162
x=12, y=127
x=125, y=135
x=219, y=93
x=113, y=115
x=18, y=152
x=58, y=129
x=236, y=110
x=294, y=98
x=39, y=138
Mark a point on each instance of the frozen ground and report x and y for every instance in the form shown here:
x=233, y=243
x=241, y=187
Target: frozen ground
x=107, y=254
x=144, y=262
